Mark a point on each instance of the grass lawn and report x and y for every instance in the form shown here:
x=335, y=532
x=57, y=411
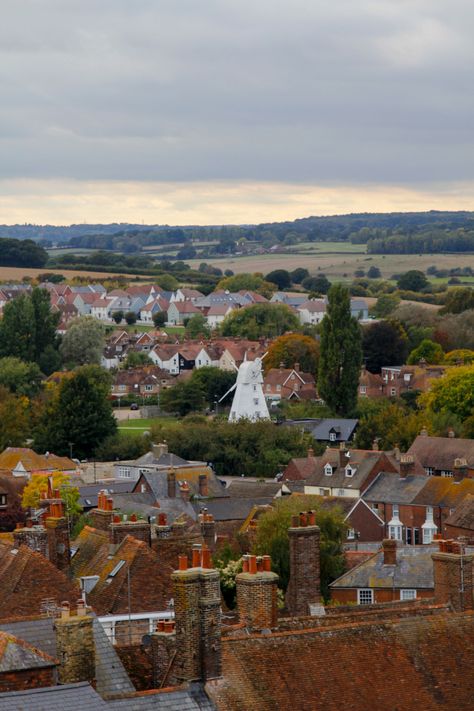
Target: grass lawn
x=139, y=426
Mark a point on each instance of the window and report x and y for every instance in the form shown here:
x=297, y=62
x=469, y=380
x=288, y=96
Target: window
x=3, y=500
x=124, y=472
x=395, y=510
x=328, y=470
x=332, y=436
x=429, y=471
x=122, y=387
x=393, y=392
x=365, y=596
x=395, y=533
x=407, y=594
x=363, y=389
x=447, y=474
x=351, y=534
x=269, y=387
x=255, y=401
x=341, y=492
x=148, y=388
x=349, y=470
x=278, y=388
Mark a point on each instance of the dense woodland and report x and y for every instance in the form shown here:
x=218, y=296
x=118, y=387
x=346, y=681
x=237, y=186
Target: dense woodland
x=414, y=232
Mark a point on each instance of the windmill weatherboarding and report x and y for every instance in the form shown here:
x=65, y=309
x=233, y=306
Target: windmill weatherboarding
x=249, y=401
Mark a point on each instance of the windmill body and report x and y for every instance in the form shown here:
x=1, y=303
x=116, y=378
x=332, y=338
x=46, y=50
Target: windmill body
x=249, y=400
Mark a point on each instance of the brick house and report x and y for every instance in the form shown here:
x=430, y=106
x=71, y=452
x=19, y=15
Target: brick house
x=289, y=384
x=460, y=523
x=11, y=490
x=394, y=573
x=438, y=455
x=142, y=382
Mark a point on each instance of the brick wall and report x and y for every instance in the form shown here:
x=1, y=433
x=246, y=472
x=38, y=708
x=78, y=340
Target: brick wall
x=27, y=679
x=453, y=577
x=138, y=529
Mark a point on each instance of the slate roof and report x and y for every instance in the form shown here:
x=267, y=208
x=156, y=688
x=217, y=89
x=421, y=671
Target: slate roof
x=414, y=569
x=440, y=452
x=70, y=697
x=243, y=488
x=17, y=655
x=192, y=698
x=39, y=632
x=363, y=461
x=391, y=489
x=88, y=493
x=230, y=509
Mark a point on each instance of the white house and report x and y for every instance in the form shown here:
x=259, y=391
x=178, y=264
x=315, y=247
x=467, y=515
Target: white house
x=166, y=356
x=312, y=311
x=217, y=313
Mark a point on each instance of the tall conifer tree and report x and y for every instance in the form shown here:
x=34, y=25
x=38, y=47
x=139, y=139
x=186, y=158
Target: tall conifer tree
x=340, y=354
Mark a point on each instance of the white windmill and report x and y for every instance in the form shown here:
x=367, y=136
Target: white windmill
x=249, y=400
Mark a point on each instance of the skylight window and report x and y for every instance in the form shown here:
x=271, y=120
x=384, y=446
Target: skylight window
x=118, y=567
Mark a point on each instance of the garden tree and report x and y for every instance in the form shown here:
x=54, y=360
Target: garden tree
x=79, y=412
x=167, y=282
x=240, y=448
x=49, y=360
x=428, y=351
x=18, y=329
x=453, y=392
x=340, y=354
x=319, y=284
x=214, y=383
x=458, y=300
x=390, y=423
x=117, y=316
x=293, y=348
x=374, y=273
x=413, y=280
x=197, y=326
x=260, y=320
x=272, y=537
x=46, y=322
x=461, y=356
x=384, y=343
x=280, y=277
x=15, y=425
x=22, y=253
x=159, y=318
x=416, y=335
x=182, y=398
x=38, y=483
x=121, y=446
x=130, y=317
x=19, y=377
x=252, y=282
x=298, y=274
x=83, y=342
x=137, y=359
x=386, y=304
x=467, y=428
x=51, y=277
x=359, y=273
x=456, y=331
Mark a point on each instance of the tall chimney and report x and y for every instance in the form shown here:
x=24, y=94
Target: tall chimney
x=34, y=537
x=257, y=593
x=208, y=530
x=389, y=547
x=159, y=450
x=171, y=480
x=453, y=578
x=343, y=455
x=103, y=515
x=185, y=491
x=135, y=527
x=197, y=608
x=407, y=462
x=57, y=530
x=460, y=469
x=304, y=588
x=203, y=487
x=75, y=645
x=163, y=649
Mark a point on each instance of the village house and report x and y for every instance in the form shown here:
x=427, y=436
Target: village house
x=289, y=384
x=438, y=455
x=327, y=429
x=180, y=311
x=23, y=462
x=312, y=311
x=141, y=382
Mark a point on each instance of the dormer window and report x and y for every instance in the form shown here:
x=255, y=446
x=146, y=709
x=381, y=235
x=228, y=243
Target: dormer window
x=332, y=436
x=349, y=471
x=328, y=469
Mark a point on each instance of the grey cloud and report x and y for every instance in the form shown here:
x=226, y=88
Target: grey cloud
x=348, y=91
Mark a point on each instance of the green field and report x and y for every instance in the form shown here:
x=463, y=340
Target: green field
x=139, y=426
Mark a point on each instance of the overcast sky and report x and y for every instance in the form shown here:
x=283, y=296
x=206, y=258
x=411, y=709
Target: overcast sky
x=217, y=111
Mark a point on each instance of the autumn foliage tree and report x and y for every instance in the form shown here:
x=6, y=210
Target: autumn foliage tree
x=293, y=348
x=38, y=484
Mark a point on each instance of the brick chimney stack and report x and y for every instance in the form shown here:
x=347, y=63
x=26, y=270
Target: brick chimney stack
x=389, y=547
x=407, y=463
x=257, y=593
x=208, y=529
x=102, y=516
x=57, y=530
x=310, y=452
x=75, y=645
x=121, y=527
x=34, y=537
x=453, y=576
x=185, y=491
x=304, y=588
x=163, y=648
x=203, y=486
x=162, y=528
x=197, y=608
x=460, y=469
x=159, y=449
x=171, y=480
x=343, y=455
